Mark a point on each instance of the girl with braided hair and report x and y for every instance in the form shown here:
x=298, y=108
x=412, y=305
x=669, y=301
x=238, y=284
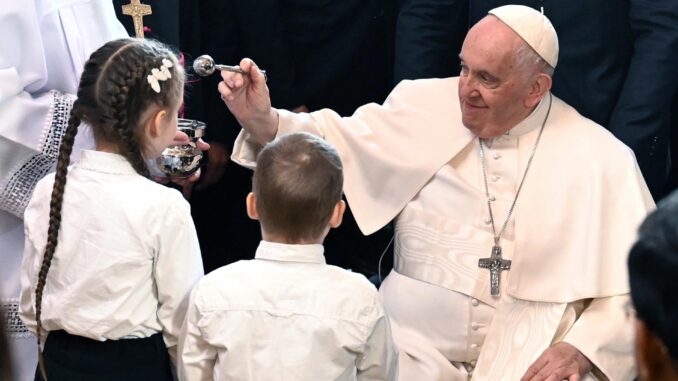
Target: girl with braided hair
x=110, y=255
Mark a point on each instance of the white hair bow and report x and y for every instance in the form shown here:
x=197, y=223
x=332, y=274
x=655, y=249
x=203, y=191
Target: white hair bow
x=161, y=74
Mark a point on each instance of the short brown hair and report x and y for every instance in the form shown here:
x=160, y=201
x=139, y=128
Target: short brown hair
x=297, y=183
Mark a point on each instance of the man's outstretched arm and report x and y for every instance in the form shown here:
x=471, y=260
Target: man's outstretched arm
x=248, y=98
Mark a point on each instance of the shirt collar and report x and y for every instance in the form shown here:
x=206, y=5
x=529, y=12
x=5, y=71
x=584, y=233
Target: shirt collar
x=282, y=252
x=534, y=120
x=105, y=162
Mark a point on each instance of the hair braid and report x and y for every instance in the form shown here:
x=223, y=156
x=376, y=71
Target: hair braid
x=122, y=94
x=54, y=220
x=129, y=75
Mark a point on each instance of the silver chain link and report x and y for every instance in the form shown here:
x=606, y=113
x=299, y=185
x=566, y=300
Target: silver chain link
x=497, y=237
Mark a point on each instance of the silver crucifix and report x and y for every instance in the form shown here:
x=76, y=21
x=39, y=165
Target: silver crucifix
x=496, y=264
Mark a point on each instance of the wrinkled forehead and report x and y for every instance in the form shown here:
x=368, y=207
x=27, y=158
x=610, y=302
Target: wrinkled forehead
x=492, y=33
x=490, y=42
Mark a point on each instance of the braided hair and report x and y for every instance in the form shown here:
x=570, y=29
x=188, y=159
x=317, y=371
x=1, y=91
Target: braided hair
x=112, y=96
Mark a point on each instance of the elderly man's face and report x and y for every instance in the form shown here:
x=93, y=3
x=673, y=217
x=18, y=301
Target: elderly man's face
x=492, y=89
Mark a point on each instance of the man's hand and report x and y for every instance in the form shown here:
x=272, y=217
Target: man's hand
x=561, y=361
x=249, y=101
x=219, y=157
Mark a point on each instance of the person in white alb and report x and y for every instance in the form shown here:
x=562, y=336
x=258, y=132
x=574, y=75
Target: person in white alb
x=513, y=213
x=286, y=315
x=110, y=255
x=43, y=49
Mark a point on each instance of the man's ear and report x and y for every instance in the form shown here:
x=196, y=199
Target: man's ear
x=540, y=86
x=251, y=203
x=337, y=214
x=154, y=123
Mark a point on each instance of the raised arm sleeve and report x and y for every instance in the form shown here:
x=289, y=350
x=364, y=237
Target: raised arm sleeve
x=388, y=151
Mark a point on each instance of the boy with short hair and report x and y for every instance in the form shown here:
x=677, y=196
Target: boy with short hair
x=286, y=315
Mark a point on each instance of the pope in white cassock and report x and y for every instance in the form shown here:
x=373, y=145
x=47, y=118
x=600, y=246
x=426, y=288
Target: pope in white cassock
x=43, y=49
x=514, y=214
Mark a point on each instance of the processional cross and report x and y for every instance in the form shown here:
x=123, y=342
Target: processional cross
x=137, y=11
x=496, y=264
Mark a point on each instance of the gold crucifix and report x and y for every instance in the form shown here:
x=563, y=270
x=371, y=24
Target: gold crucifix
x=137, y=11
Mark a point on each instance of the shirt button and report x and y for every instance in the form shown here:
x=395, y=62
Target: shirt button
x=475, y=326
x=495, y=178
x=473, y=363
x=474, y=346
x=474, y=302
x=492, y=198
x=488, y=221
x=496, y=156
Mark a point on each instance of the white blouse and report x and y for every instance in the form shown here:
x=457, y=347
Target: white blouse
x=127, y=254
x=286, y=315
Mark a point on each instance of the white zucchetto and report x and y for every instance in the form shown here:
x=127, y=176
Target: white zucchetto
x=533, y=27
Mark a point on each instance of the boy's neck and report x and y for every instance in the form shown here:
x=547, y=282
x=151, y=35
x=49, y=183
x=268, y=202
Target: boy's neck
x=288, y=242
x=284, y=240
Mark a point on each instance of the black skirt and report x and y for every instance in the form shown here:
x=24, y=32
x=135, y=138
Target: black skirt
x=76, y=358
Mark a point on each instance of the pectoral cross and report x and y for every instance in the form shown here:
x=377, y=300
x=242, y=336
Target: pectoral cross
x=137, y=11
x=496, y=264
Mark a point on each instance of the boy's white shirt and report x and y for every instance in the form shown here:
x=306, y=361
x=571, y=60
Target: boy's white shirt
x=286, y=315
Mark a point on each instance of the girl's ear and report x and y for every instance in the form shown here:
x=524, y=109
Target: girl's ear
x=155, y=123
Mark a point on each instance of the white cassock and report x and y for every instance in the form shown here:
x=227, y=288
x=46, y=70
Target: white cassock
x=43, y=49
x=412, y=159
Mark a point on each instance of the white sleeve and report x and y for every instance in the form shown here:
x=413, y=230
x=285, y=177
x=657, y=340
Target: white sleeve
x=245, y=150
x=379, y=359
x=196, y=356
x=33, y=122
x=388, y=151
x=29, y=276
x=604, y=334
x=178, y=267
x=34, y=245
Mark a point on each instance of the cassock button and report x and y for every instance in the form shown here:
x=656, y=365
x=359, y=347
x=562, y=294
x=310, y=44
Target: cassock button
x=474, y=346
x=488, y=221
x=475, y=326
x=473, y=363
x=495, y=178
x=474, y=302
x=492, y=198
x=496, y=156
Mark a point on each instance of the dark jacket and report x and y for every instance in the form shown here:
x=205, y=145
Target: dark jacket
x=428, y=39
